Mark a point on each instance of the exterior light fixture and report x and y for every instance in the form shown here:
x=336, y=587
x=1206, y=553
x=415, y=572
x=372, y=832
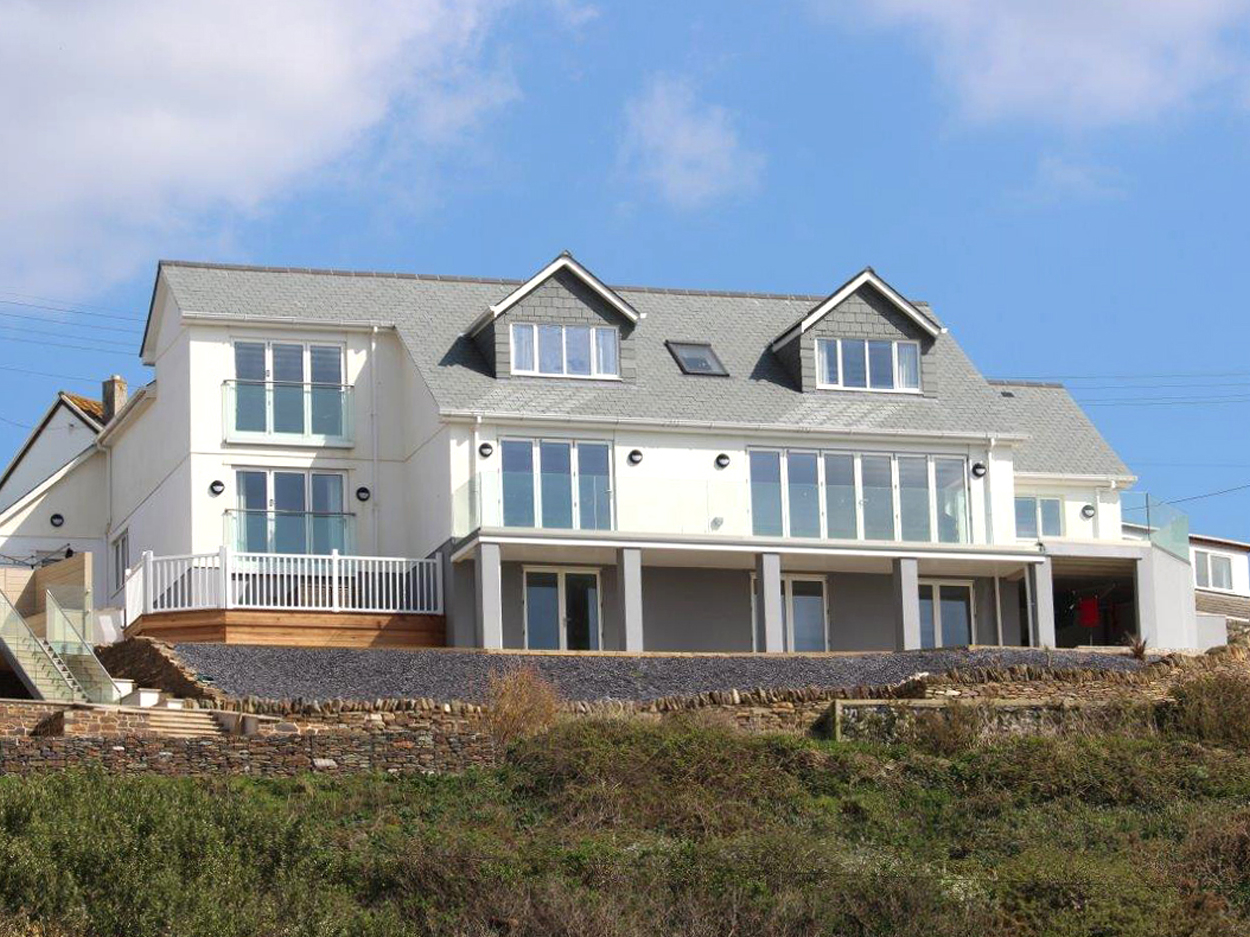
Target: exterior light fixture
x=635, y=456
x=978, y=470
x=485, y=450
x=363, y=493
x=216, y=487
x=1088, y=512
x=722, y=460
x=57, y=520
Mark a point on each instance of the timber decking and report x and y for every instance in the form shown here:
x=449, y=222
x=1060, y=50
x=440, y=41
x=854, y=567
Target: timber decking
x=293, y=629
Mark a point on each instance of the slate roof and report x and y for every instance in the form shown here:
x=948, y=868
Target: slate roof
x=1061, y=437
x=431, y=313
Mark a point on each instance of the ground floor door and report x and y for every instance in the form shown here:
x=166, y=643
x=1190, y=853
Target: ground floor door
x=804, y=614
x=562, y=610
x=946, y=613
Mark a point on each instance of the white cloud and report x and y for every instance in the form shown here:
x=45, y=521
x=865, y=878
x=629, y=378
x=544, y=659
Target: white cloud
x=1074, y=62
x=689, y=151
x=1061, y=179
x=130, y=128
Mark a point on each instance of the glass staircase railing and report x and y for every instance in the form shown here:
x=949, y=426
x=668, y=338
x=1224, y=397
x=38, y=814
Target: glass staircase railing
x=67, y=643
x=44, y=674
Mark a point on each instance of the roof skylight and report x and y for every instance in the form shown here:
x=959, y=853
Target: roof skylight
x=697, y=358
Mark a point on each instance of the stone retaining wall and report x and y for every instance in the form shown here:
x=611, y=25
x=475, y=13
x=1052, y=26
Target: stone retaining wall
x=891, y=721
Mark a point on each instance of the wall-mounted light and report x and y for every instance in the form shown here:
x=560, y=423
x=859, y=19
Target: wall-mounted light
x=1088, y=512
x=363, y=493
x=978, y=470
x=216, y=487
x=722, y=460
x=57, y=520
x=635, y=456
x=485, y=450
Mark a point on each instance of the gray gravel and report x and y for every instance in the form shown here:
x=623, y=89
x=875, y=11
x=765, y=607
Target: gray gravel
x=329, y=673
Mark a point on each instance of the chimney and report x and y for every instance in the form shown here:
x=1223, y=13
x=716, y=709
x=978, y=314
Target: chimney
x=114, y=396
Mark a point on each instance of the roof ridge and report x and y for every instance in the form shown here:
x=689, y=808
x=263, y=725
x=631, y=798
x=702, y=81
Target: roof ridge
x=492, y=281
x=1020, y=382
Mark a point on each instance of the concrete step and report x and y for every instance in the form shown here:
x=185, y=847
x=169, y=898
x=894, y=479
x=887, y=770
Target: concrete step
x=183, y=723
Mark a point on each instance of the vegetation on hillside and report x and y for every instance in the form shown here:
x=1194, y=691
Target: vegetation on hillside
x=620, y=828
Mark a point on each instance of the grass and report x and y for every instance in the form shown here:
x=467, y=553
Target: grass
x=615, y=829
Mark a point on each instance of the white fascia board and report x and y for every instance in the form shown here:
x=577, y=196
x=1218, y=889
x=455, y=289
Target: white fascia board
x=978, y=552
x=125, y=416
x=866, y=276
x=563, y=262
x=271, y=322
x=1052, y=478
x=703, y=426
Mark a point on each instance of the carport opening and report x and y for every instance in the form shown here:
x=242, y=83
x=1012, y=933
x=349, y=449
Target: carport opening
x=1094, y=610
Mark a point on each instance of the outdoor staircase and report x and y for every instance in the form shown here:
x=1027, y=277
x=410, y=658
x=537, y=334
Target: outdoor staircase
x=183, y=723
x=42, y=670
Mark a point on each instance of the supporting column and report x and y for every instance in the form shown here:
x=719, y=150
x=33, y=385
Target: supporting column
x=488, y=594
x=629, y=596
x=768, y=600
x=1043, y=604
x=906, y=603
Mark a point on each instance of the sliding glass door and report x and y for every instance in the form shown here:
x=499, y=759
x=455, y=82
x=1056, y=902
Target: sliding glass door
x=557, y=484
x=562, y=610
x=946, y=614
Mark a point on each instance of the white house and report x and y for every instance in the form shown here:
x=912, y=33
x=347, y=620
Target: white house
x=556, y=463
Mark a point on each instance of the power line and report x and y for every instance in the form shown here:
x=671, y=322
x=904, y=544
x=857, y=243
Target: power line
x=77, y=312
x=47, y=344
x=1084, y=387
x=63, y=302
x=46, y=320
x=63, y=377
x=1209, y=494
x=1141, y=375
x=86, y=338
x=1165, y=401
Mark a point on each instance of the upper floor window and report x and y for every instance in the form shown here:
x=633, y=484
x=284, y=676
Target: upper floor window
x=289, y=511
x=288, y=392
x=1213, y=571
x=557, y=483
x=867, y=364
x=565, y=350
x=1036, y=516
x=859, y=496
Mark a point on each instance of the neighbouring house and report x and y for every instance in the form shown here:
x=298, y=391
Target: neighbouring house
x=555, y=463
x=1222, y=579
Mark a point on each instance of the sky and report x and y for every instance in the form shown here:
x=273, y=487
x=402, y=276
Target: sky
x=1065, y=181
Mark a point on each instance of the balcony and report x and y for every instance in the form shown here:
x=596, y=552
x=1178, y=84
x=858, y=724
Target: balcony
x=290, y=532
x=289, y=414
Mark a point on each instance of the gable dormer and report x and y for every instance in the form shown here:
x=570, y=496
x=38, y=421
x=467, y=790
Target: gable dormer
x=864, y=337
x=562, y=323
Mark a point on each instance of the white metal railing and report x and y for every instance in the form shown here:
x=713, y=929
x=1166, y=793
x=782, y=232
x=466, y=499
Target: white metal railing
x=287, y=581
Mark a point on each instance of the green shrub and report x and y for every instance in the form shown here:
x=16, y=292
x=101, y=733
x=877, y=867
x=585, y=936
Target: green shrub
x=1216, y=853
x=1214, y=709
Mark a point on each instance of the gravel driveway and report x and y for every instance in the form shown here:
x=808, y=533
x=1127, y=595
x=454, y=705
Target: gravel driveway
x=329, y=673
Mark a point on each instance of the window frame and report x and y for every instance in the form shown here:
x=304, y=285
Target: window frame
x=121, y=564
x=673, y=347
x=575, y=462
x=269, y=435
x=308, y=472
x=1037, y=500
x=594, y=375
x=787, y=610
x=1208, y=566
x=936, y=585
x=561, y=572
x=822, y=344
x=858, y=478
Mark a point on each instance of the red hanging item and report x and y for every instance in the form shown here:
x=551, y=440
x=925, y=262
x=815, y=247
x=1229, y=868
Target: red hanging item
x=1087, y=612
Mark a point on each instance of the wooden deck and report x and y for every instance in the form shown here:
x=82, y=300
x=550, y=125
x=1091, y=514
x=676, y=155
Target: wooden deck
x=293, y=629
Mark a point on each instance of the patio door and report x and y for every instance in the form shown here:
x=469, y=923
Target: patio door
x=289, y=511
x=947, y=617
x=562, y=610
x=804, y=614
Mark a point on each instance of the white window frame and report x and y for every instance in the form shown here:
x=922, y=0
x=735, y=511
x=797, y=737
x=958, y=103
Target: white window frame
x=970, y=585
x=270, y=436
x=594, y=375
x=308, y=473
x=561, y=608
x=1037, y=500
x=1209, y=556
x=119, y=554
x=857, y=463
x=822, y=384
x=575, y=472
x=787, y=601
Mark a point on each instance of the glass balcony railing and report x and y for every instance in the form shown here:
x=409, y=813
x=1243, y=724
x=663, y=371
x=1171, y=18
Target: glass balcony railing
x=290, y=532
x=1167, y=527
x=293, y=414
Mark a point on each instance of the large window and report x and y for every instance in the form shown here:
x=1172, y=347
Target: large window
x=867, y=364
x=290, y=511
x=289, y=390
x=1038, y=517
x=557, y=483
x=946, y=614
x=1213, y=571
x=562, y=610
x=859, y=496
x=565, y=350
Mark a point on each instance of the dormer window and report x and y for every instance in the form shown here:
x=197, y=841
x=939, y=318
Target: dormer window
x=565, y=350
x=867, y=364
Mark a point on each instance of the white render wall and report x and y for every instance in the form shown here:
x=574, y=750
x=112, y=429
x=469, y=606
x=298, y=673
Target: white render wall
x=1240, y=562
x=1107, y=522
x=63, y=437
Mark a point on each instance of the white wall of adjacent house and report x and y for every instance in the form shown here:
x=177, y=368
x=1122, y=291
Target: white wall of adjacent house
x=63, y=437
x=1238, y=562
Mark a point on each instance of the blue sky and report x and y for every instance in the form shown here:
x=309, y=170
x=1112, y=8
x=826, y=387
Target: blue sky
x=1064, y=181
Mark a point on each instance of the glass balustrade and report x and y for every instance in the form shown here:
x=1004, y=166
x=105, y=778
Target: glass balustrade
x=1166, y=526
x=290, y=532
x=291, y=413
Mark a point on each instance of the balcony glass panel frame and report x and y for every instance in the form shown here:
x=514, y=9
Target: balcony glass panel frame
x=570, y=483
x=322, y=531
x=288, y=392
